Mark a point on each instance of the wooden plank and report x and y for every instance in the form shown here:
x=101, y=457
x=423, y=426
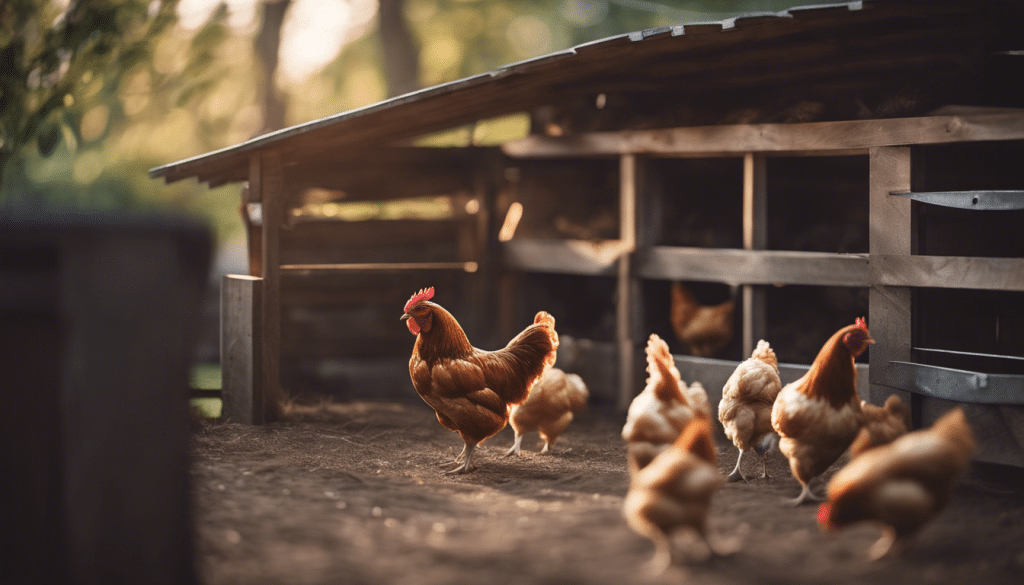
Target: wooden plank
x=253, y=229
x=241, y=353
x=890, y=232
x=332, y=233
x=755, y=237
x=739, y=139
x=564, y=256
x=995, y=428
x=753, y=266
x=307, y=269
x=267, y=175
x=948, y=272
x=628, y=310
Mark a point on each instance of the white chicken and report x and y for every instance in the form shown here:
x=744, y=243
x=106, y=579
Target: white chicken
x=746, y=407
x=662, y=410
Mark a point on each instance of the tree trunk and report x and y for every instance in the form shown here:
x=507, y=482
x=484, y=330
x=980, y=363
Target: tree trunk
x=267, y=45
x=401, y=54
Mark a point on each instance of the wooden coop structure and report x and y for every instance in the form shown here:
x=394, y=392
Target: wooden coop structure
x=817, y=164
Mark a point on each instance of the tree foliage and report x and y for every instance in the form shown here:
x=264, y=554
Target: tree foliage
x=95, y=92
x=51, y=54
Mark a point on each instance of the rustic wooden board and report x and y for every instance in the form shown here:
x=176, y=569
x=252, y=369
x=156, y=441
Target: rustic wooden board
x=947, y=272
x=241, y=352
x=737, y=140
x=755, y=237
x=628, y=302
x=564, y=256
x=890, y=232
x=266, y=174
x=753, y=266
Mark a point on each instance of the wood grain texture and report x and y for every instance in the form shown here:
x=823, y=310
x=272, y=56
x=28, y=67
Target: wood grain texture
x=736, y=140
x=755, y=237
x=267, y=173
x=947, y=272
x=753, y=266
x=627, y=288
x=241, y=349
x=890, y=231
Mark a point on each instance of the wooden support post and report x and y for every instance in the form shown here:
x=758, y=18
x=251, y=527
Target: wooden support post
x=491, y=304
x=266, y=184
x=628, y=311
x=891, y=228
x=253, y=229
x=241, y=347
x=755, y=237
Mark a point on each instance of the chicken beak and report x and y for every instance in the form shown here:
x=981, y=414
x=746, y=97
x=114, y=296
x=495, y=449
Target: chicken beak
x=869, y=340
x=404, y=316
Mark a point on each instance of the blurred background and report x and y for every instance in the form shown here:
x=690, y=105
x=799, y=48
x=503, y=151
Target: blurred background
x=95, y=93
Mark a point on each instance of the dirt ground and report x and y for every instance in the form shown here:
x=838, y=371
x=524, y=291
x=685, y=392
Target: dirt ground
x=357, y=497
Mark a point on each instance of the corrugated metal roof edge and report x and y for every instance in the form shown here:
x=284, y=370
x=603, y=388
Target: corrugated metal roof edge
x=270, y=138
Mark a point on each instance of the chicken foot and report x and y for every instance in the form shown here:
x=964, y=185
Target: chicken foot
x=736, y=474
x=805, y=496
x=464, y=466
x=458, y=459
x=890, y=544
x=516, y=447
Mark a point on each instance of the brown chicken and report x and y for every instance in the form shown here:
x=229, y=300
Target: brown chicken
x=662, y=410
x=882, y=424
x=549, y=408
x=819, y=415
x=471, y=390
x=675, y=491
x=746, y=407
x=902, y=485
x=704, y=330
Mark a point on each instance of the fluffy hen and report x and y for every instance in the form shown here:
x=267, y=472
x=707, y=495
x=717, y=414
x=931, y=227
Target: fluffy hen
x=549, y=409
x=819, y=415
x=662, y=410
x=746, y=407
x=902, y=485
x=882, y=424
x=675, y=491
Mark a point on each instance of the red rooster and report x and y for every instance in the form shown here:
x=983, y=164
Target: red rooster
x=470, y=389
x=819, y=415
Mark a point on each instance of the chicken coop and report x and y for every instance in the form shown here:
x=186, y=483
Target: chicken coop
x=801, y=168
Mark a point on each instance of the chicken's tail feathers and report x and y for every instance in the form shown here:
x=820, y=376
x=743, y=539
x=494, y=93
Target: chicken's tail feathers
x=662, y=369
x=765, y=353
x=547, y=321
x=696, y=438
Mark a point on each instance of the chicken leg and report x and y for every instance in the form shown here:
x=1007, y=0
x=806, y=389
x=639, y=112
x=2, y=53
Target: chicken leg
x=464, y=465
x=516, y=446
x=736, y=474
x=805, y=496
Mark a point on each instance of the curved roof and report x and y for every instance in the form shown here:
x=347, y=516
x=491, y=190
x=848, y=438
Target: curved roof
x=824, y=49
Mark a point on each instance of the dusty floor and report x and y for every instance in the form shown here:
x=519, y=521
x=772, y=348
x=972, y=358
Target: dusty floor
x=358, y=499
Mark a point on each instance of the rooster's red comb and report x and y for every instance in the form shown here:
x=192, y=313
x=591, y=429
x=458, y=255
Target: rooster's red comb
x=860, y=322
x=425, y=294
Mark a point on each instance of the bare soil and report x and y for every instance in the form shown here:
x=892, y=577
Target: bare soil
x=354, y=494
